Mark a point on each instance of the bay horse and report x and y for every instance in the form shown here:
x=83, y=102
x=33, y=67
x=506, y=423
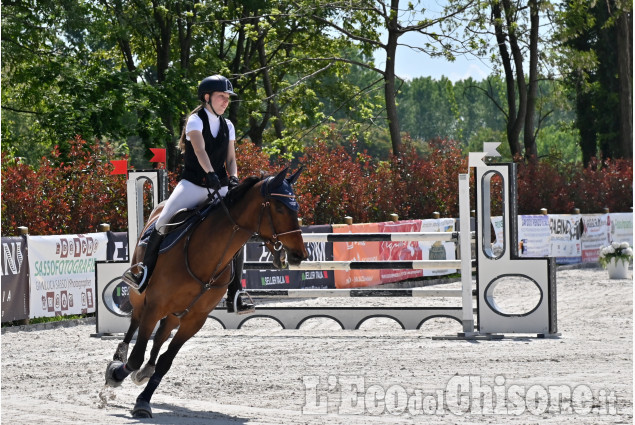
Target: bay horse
x=190, y=279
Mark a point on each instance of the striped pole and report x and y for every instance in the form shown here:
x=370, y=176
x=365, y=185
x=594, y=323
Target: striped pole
x=362, y=265
x=379, y=237
x=357, y=293
x=382, y=237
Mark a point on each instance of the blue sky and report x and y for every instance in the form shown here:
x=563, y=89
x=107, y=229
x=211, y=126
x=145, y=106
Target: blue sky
x=411, y=64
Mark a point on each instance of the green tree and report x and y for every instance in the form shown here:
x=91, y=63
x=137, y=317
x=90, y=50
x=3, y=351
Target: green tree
x=363, y=22
x=596, y=43
x=511, y=35
x=127, y=71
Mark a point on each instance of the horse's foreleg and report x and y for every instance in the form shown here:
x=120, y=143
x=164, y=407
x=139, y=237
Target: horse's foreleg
x=117, y=371
x=189, y=326
x=121, y=354
x=168, y=323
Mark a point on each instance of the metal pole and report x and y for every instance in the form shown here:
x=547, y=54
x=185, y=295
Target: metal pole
x=465, y=245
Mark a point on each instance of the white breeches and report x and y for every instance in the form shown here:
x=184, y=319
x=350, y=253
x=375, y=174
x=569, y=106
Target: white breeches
x=185, y=195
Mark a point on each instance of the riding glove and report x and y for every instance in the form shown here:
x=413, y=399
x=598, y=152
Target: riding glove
x=212, y=181
x=233, y=182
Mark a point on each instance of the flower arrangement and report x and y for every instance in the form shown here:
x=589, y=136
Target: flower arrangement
x=618, y=250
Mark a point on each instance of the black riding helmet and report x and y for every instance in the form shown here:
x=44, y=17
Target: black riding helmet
x=215, y=83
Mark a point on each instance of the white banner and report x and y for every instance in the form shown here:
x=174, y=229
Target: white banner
x=499, y=232
x=438, y=250
x=621, y=227
x=534, y=236
x=62, y=273
x=566, y=232
x=595, y=235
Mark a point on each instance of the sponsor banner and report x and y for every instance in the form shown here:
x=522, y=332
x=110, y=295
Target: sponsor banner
x=566, y=233
x=117, y=249
x=595, y=235
x=534, y=236
x=395, y=251
x=291, y=279
x=438, y=250
x=15, y=279
x=356, y=251
x=621, y=227
x=62, y=273
x=498, y=228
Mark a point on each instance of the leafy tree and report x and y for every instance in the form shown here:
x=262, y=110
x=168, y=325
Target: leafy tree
x=511, y=35
x=596, y=43
x=127, y=71
x=361, y=20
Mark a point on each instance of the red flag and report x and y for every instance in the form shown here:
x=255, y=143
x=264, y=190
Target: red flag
x=121, y=167
x=159, y=155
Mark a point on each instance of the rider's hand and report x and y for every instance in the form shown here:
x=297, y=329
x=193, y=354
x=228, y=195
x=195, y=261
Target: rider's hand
x=233, y=182
x=211, y=181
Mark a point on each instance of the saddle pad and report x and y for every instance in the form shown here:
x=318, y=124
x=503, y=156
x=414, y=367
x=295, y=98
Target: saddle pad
x=175, y=235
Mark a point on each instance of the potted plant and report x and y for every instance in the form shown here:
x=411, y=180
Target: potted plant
x=615, y=258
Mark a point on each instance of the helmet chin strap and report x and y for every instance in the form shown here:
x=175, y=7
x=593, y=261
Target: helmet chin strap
x=211, y=107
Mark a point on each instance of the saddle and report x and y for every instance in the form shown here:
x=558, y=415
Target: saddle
x=181, y=223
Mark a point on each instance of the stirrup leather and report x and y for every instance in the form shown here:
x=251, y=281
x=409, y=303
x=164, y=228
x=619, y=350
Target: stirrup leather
x=135, y=281
x=247, y=311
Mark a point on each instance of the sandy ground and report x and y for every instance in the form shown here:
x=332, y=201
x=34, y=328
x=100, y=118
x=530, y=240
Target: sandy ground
x=319, y=374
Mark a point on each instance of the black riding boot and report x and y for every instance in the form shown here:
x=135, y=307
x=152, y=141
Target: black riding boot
x=141, y=279
x=242, y=307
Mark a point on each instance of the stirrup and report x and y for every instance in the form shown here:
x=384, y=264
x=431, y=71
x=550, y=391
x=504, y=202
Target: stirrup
x=134, y=280
x=246, y=311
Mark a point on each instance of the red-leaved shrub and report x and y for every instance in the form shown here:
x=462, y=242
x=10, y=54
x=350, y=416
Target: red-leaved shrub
x=74, y=193
x=59, y=197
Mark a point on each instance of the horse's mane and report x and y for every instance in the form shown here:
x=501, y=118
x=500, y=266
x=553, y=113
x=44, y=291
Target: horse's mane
x=237, y=193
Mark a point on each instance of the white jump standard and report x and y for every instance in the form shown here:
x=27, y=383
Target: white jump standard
x=483, y=320
x=491, y=270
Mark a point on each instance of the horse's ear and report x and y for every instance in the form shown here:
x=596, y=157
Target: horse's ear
x=277, y=180
x=291, y=180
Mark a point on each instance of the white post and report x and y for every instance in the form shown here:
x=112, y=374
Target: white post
x=136, y=180
x=465, y=246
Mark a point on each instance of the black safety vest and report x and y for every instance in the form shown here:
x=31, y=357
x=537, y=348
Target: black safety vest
x=216, y=148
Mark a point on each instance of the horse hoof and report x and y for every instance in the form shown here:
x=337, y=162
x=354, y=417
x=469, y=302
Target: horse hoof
x=111, y=381
x=142, y=375
x=142, y=410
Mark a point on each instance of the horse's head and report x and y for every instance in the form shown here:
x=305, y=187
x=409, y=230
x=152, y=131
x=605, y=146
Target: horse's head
x=279, y=225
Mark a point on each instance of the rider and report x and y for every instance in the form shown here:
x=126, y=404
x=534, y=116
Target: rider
x=207, y=143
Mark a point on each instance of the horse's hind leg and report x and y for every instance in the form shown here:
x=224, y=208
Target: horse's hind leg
x=189, y=326
x=142, y=375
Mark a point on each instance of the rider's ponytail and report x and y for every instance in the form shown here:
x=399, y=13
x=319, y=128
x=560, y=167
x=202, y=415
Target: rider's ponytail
x=183, y=138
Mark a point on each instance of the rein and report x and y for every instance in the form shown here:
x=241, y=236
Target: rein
x=274, y=241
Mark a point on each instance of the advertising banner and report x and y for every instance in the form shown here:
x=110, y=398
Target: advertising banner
x=498, y=230
x=291, y=279
x=117, y=249
x=595, y=235
x=356, y=251
x=15, y=279
x=621, y=227
x=534, y=236
x=566, y=233
x=399, y=251
x=438, y=250
x=62, y=273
